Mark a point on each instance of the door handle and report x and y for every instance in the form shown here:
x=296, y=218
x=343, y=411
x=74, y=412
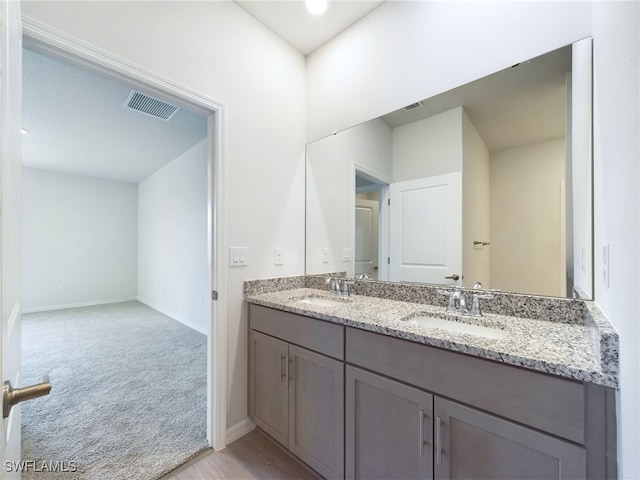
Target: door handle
x=12, y=396
x=455, y=276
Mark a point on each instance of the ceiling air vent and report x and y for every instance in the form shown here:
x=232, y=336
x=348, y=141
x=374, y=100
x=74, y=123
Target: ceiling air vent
x=413, y=106
x=151, y=106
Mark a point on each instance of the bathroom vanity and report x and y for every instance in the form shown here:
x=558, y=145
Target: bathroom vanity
x=356, y=388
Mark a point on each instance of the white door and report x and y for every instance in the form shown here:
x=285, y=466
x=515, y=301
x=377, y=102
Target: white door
x=425, y=224
x=366, y=247
x=10, y=159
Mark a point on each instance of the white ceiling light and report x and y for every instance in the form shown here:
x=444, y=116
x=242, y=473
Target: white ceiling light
x=317, y=7
x=24, y=131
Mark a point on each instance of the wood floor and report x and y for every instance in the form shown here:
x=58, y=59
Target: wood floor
x=254, y=456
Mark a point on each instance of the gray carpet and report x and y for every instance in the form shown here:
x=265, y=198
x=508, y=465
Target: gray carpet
x=129, y=392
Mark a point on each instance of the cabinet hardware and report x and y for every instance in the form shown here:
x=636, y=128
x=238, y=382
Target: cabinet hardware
x=422, y=415
x=438, y=447
x=283, y=369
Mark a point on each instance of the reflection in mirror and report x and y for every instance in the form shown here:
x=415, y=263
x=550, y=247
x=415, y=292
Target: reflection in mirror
x=488, y=182
x=366, y=250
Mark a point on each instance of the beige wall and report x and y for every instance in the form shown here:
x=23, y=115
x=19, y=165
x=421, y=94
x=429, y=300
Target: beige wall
x=475, y=206
x=525, y=214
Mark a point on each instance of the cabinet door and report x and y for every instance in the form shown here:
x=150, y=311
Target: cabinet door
x=316, y=411
x=474, y=445
x=268, y=398
x=388, y=428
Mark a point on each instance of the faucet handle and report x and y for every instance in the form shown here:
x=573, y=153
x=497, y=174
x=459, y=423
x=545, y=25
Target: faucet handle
x=454, y=298
x=476, y=311
x=333, y=284
x=346, y=287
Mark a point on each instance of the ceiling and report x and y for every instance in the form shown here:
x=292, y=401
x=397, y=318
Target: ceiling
x=304, y=31
x=521, y=105
x=78, y=124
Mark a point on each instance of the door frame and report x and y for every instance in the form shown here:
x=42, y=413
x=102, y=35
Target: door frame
x=383, y=216
x=53, y=42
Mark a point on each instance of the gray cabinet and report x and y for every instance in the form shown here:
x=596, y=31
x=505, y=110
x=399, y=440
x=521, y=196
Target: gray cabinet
x=388, y=428
x=316, y=418
x=396, y=431
x=405, y=410
x=471, y=444
x=269, y=401
x=296, y=395
x=401, y=395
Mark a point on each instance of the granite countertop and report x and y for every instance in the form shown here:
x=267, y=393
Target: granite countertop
x=574, y=350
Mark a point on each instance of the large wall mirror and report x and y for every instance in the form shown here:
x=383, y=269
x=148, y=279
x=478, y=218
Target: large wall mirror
x=490, y=182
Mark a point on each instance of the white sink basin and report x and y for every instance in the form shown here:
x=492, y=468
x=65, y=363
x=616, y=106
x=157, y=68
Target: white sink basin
x=322, y=301
x=457, y=327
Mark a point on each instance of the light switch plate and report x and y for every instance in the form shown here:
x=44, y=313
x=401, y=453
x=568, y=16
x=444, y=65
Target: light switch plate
x=238, y=257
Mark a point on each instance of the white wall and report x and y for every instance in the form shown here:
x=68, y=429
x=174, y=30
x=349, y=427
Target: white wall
x=428, y=147
x=219, y=50
x=430, y=47
x=475, y=207
x=425, y=48
x=617, y=212
x=172, y=239
x=331, y=189
x=79, y=240
x=526, y=207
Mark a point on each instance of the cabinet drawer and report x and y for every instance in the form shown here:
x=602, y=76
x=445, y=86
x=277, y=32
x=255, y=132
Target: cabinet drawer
x=548, y=403
x=317, y=335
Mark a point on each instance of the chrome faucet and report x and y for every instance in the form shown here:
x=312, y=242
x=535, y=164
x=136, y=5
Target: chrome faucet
x=333, y=285
x=339, y=286
x=458, y=302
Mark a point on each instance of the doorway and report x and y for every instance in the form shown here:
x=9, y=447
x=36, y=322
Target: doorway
x=371, y=231
x=86, y=57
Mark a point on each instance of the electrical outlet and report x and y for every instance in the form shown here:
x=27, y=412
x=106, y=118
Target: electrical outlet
x=346, y=254
x=325, y=255
x=278, y=256
x=605, y=265
x=62, y=287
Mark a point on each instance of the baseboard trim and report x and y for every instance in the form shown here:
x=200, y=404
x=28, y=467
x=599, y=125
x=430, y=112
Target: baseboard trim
x=78, y=304
x=239, y=430
x=177, y=318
